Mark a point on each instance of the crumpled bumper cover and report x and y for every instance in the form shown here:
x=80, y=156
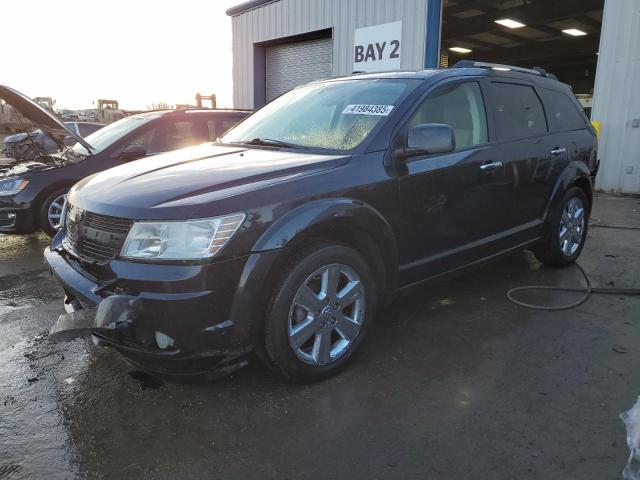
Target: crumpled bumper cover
x=111, y=314
x=186, y=332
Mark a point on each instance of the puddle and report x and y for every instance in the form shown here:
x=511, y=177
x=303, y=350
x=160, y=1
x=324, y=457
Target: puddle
x=443, y=302
x=23, y=291
x=34, y=442
x=146, y=380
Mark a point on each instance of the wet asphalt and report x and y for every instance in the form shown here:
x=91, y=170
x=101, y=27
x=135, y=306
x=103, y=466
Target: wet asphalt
x=453, y=382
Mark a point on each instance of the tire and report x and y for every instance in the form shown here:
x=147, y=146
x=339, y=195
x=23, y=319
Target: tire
x=338, y=325
x=50, y=202
x=565, y=222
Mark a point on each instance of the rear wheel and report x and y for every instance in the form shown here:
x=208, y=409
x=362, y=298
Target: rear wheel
x=51, y=212
x=566, y=230
x=319, y=313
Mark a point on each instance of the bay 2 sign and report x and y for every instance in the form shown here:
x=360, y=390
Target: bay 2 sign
x=377, y=48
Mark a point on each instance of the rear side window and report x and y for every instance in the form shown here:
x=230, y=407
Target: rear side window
x=461, y=107
x=517, y=111
x=167, y=135
x=88, y=129
x=218, y=127
x=562, y=113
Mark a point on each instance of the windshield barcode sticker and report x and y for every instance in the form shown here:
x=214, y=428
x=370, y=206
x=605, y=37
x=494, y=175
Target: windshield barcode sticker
x=382, y=110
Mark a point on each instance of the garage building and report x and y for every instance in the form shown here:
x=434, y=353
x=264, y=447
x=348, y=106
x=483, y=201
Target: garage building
x=589, y=44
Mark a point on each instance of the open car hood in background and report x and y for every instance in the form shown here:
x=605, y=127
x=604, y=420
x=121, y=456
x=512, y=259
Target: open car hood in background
x=45, y=120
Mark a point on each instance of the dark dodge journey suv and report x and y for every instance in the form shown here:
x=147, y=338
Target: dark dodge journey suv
x=285, y=236
x=32, y=189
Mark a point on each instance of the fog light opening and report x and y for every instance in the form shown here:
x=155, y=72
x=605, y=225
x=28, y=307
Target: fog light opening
x=164, y=341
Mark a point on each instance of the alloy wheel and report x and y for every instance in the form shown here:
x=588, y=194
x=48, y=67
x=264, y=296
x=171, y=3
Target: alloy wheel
x=572, y=226
x=326, y=314
x=54, y=213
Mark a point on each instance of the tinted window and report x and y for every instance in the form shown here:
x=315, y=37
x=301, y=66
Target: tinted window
x=165, y=136
x=226, y=124
x=87, y=129
x=517, y=110
x=211, y=130
x=461, y=107
x=219, y=127
x=562, y=112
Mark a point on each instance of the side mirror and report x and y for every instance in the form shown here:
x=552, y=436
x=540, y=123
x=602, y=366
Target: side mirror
x=428, y=139
x=132, y=152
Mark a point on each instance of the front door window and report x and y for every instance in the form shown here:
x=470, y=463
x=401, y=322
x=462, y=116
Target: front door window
x=461, y=107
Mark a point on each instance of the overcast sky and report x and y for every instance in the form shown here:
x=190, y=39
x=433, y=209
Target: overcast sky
x=136, y=51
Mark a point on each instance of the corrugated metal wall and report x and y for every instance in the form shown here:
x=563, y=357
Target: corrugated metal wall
x=616, y=101
x=285, y=18
x=288, y=65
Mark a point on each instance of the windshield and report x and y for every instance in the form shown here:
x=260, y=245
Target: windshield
x=335, y=115
x=106, y=136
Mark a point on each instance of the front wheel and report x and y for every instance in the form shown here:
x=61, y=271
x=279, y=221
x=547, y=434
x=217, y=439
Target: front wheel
x=319, y=313
x=51, y=212
x=566, y=230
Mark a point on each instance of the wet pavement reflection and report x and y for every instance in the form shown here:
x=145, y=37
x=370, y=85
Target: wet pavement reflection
x=453, y=382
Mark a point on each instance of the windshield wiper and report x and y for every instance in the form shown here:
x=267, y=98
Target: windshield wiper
x=269, y=142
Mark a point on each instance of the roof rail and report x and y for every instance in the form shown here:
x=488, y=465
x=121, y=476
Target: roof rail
x=201, y=109
x=498, y=66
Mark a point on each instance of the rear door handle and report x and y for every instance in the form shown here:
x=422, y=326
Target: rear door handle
x=558, y=151
x=487, y=167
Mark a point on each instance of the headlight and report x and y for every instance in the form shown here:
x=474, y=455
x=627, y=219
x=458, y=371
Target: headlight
x=13, y=186
x=191, y=239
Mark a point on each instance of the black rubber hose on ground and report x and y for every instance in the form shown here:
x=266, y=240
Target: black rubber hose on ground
x=587, y=291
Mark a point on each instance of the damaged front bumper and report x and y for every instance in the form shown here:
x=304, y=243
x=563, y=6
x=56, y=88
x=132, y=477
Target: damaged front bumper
x=117, y=312
x=173, y=319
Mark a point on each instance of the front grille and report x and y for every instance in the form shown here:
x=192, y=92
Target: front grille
x=93, y=237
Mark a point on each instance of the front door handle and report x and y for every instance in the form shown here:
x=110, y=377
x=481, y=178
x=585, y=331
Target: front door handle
x=558, y=151
x=487, y=167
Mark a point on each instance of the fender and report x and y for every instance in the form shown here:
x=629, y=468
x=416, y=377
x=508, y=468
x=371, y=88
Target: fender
x=575, y=171
x=45, y=192
x=308, y=219
x=302, y=222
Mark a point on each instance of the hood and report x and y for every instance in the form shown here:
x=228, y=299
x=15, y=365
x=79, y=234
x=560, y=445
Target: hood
x=44, y=119
x=22, y=168
x=153, y=187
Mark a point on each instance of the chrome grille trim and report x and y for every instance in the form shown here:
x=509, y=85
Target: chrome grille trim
x=107, y=223
x=93, y=237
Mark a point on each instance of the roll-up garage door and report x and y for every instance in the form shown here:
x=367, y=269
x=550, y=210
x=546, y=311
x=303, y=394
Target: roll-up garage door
x=292, y=64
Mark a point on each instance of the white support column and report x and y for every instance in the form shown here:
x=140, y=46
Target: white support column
x=616, y=102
